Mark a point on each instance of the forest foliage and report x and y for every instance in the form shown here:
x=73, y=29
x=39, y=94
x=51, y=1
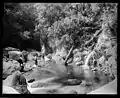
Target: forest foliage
x=87, y=27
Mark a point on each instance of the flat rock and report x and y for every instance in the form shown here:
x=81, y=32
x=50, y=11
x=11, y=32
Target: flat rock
x=9, y=90
x=110, y=88
x=38, y=74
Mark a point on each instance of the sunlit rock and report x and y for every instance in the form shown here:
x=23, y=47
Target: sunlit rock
x=14, y=54
x=9, y=90
x=10, y=67
x=18, y=82
x=29, y=65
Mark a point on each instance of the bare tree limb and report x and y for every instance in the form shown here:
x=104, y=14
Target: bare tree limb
x=85, y=66
x=68, y=55
x=94, y=36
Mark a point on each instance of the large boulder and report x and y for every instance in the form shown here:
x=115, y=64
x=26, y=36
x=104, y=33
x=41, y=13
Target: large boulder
x=29, y=65
x=36, y=53
x=10, y=67
x=9, y=90
x=41, y=63
x=10, y=79
x=110, y=88
x=11, y=49
x=16, y=55
x=32, y=56
x=18, y=82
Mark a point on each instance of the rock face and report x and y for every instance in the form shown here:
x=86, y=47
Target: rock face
x=29, y=66
x=11, y=49
x=31, y=56
x=9, y=90
x=16, y=55
x=10, y=67
x=110, y=88
x=18, y=82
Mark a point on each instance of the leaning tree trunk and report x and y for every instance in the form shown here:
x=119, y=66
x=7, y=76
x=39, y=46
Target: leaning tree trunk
x=85, y=66
x=68, y=56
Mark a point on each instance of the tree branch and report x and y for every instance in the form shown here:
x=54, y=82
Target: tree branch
x=85, y=66
x=94, y=36
x=68, y=55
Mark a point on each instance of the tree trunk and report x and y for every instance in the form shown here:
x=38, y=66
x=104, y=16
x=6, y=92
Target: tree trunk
x=85, y=66
x=94, y=36
x=68, y=56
